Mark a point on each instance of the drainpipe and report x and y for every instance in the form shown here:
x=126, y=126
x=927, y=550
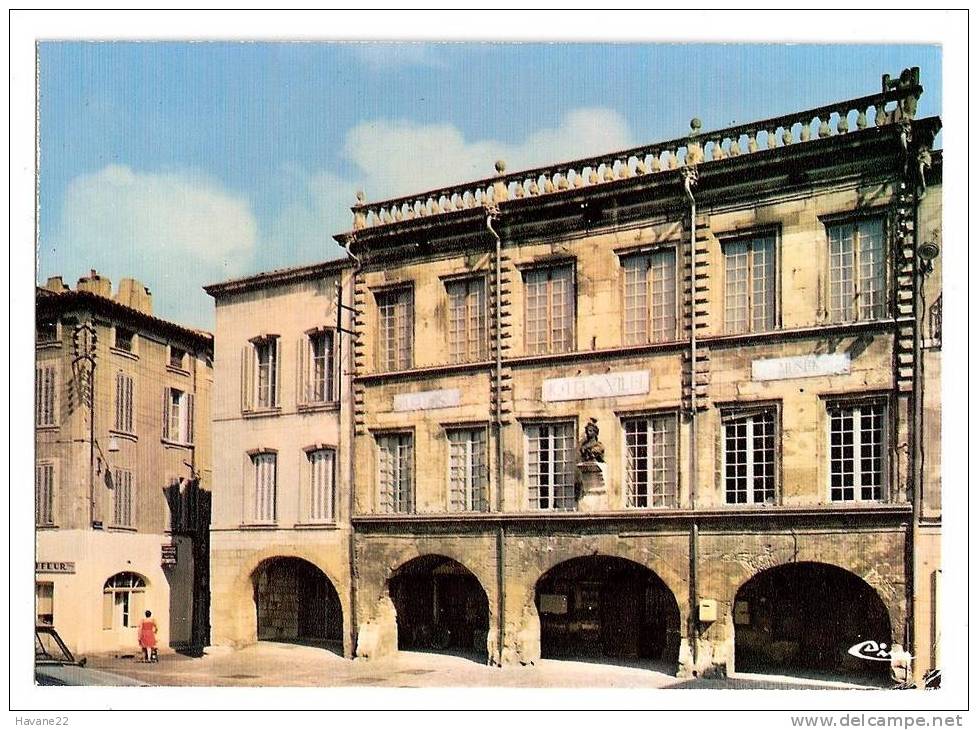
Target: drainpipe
x=357, y=266
x=689, y=179
x=498, y=429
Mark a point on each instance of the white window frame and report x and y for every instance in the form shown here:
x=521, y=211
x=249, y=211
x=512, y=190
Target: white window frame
x=730, y=415
x=857, y=405
x=395, y=328
x=45, y=491
x=46, y=395
x=566, y=500
x=766, y=242
x=854, y=310
x=131, y=588
x=549, y=343
x=308, y=379
x=122, y=498
x=396, y=495
x=178, y=416
x=319, y=499
x=266, y=398
x=467, y=311
x=665, y=500
x=657, y=302
x=470, y=492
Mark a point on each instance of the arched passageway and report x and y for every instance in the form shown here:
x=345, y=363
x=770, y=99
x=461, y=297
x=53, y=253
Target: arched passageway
x=296, y=602
x=441, y=606
x=602, y=607
x=802, y=619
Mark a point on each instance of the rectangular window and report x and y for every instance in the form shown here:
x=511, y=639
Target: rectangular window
x=265, y=475
x=178, y=416
x=857, y=271
x=650, y=297
x=44, y=494
x=749, y=452
x=650, y=461
x=321, y=482
x=467, y=470
x=122, y=498
x=177, y=358
x=123, y=402
x=124, y=339
x=320, y=367
x=46, y=332
x=44, y=396
x=395, y=310
x=550, y=312
x=395, y=471
x=856, y=451
x=266, y=384
x=550, y=462
x=44, y=603
x=750, y=291
x=467, y=336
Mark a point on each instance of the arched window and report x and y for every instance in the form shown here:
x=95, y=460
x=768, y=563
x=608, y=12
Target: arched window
x=123, y=598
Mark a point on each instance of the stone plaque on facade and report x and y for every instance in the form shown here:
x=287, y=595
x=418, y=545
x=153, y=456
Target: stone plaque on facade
x=606, y=385
x=802, y=366
x=60, y=566
x=427, y=400
x=553, y=603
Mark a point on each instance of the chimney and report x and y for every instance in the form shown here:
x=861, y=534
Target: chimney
x=55, y=284
x=134, y=294
x=96, y=283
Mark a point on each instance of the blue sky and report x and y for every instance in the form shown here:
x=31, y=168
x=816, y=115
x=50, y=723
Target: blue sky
x=182, y=164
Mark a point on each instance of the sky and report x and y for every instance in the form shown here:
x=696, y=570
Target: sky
x=187, y=163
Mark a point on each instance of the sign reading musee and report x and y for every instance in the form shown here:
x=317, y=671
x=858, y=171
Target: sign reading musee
x=427, y=400
x=803, y=366
x=606, y=385
x=59, y=566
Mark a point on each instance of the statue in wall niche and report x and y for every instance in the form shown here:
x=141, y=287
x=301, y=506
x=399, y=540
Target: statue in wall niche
x=591, y=449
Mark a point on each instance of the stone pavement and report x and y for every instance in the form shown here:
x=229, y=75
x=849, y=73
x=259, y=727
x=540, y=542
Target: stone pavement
x=270, y=664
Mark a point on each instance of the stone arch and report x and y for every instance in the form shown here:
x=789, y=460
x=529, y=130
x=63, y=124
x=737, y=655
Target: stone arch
x=609, y=608
x=802, y=617
x=296, y=602
x=440, y=605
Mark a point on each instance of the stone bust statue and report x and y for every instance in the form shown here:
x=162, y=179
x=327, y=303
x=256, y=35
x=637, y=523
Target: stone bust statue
x=591, y=449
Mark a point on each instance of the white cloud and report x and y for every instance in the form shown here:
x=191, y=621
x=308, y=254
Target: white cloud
x=387, y=56
x=398, y=157
x=172, y=230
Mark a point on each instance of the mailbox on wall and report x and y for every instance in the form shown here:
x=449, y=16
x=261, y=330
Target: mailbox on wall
x=708, y=610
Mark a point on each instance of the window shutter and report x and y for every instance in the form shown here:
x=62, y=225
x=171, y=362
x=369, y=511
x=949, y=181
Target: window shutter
x=107, y=605
x=247, y=377
x=190, y=418
x=136, y=607
x=54, y=397
x=301, y=364
x=276, y=377
x=166, y=413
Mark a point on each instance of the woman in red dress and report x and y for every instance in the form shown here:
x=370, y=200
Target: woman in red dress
x=147, y=635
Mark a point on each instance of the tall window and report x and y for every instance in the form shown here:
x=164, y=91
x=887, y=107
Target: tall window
x=650, y=461
x=265, y=468
x=550, y=465
x=857, y=270
x=123, y=402
x=266, y=361
x=395, y=471
x=549, y=310
x=322, y=465
x=321, y=366
x=178, y=416
x=395, y=310
x=46, y=332
x=467, y=336
x=122, y=498
x=749, y=451
x=44, y=603
x=467, y=469
x=123, y=598
x=650, y=297
x=44, y=396
x=750, y=284
x=44, y=494
x=856, y=451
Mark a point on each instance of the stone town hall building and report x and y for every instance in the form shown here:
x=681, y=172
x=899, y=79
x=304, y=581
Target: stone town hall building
x=744, y=322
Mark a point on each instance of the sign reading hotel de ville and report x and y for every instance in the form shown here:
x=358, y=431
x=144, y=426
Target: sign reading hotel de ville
x=427, y=400
x=802, y=366
x=605, y=385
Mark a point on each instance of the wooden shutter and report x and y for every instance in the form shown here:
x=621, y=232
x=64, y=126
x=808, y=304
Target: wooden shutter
x=166, y=413
x=302, y=369
x=190, y=418
x=107, y=605
x=277, y=374
x=137, y=603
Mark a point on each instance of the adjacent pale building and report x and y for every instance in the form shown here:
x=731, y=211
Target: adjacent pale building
x=122, y=424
